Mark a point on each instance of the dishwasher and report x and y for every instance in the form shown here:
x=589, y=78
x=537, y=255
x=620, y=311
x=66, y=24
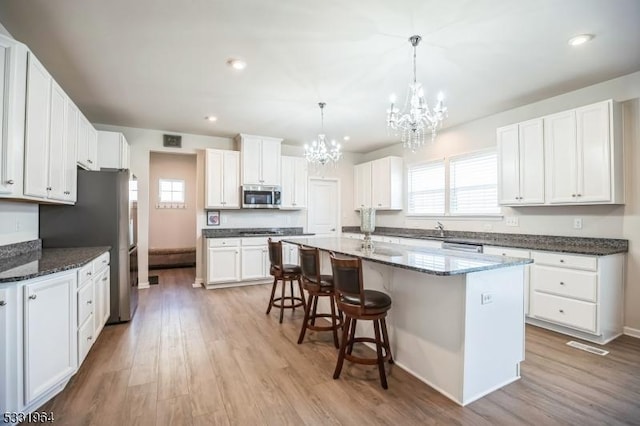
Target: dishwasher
x=464, y=247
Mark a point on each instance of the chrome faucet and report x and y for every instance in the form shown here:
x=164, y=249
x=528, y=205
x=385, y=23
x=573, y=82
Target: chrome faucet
x=440, y=227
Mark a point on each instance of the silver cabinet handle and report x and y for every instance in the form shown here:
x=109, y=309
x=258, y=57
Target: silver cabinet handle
x=3, y=303
x=579, y=195
x=573, y=195
x=10, y=182
x=89, y=302
x=332, y=229
x=90, y=338
x=67, y=192
x=89, y=161
x=561, y=311
x=561, y=260
x=33, y=297
x=89, y=273
x=104, y=279
x=48, y=188
x=561, y=283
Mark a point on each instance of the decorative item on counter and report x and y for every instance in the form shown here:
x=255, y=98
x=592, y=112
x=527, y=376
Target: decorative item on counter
x=367, y=226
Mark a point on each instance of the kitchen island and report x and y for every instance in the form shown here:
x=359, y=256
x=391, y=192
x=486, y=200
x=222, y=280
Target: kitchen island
x=457, y=319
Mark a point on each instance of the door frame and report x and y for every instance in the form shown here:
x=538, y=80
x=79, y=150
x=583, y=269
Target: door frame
x=339, y=209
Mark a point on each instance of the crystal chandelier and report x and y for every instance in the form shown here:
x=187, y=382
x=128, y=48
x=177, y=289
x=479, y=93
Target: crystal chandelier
x=416, y=117
x=318, y=153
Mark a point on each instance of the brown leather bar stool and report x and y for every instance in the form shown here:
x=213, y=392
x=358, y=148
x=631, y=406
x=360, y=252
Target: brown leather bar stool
x=360, y=304
x=283, y=273
x=317, y=286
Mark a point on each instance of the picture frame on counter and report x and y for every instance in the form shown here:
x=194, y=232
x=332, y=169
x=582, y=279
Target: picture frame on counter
x=213, y=217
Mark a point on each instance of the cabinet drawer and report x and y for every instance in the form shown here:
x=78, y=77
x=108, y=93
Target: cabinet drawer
x=566, y=282
x=508, y=252
x=85, y=302
x=100, y=262
x=588, y=263
x=85, y=339
x=256, y=241
x=224, y=242
x=85, y=273
x=568, y=312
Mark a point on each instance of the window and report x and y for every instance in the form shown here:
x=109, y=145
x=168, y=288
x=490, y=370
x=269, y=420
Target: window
x=474, y=184
x=171, y=191
x=426, y=189
x=133, y=190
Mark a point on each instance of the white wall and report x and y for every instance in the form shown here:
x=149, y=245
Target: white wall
x=4, y=31
x=598, y=221
x=18, y=222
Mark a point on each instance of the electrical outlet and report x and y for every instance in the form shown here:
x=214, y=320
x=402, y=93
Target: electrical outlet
x=224, y=218
x=487, y=298
x=577, y=223
x=512, y=221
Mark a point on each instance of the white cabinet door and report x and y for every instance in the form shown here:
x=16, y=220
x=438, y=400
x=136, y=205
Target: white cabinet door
x=380, y=184
x=287, y=194
x=13, y=67
x=514, y=252
x=57, y=144
x=560, y=145
x=271, y=157
x=8, y=313
x=49, y=329
x=223, y=265
x=251, y=160
x=102, y=303
x=531, y=161
x=508, y=165
x=362, y=187
x=594, y=148
x=38, y=112
x=301, y=177
x=253, y=263
x=110, y=150
x=71, y=173
x=222, y=184
x=231, y=179
x=83, y=142
x=93, y=147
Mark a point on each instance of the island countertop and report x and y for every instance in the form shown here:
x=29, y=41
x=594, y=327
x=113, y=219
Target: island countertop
x=428, y=260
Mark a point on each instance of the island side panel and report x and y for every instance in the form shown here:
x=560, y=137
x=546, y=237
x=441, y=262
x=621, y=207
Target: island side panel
x=494, y=330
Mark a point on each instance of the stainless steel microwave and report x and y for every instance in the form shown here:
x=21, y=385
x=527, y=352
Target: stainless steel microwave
x=260, y=197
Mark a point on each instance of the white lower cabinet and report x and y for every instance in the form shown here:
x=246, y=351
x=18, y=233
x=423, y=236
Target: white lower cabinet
x=578, y=295
x=223, y=260
x=514, y=252
x=49, y=335
x=253, y=263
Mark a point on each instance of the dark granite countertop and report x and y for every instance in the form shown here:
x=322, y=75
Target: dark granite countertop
x=252, y=232
x=46, y=261
x=576, y=245
x=430, y=261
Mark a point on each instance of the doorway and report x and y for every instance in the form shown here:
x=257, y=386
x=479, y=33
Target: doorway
x=323, y=217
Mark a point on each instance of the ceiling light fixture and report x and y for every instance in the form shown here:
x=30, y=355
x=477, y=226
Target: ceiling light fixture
x=318, y=153
x=211, y=118
x=580, y=39
x=237, y=64
x=416, y=117
x=346, y=138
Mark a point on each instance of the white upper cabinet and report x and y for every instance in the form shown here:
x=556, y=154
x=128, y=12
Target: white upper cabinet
x=13, y=69
x=584, y=155
x=378, y=184
x=87, y=145
x=113, y=150
x=222, y=184
x=71, y=173
x=521, y=163
x=57, y=142
x=260, y=160
x=294, y=183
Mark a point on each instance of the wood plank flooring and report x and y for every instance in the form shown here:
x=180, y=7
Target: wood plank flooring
x=196, y=357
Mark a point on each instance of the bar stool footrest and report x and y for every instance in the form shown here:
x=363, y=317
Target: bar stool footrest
x=291, y=303
x=362, y=360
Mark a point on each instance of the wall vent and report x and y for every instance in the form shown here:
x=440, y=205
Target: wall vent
x=587, y=348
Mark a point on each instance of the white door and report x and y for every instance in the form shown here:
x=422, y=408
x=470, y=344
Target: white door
x=223, y=265
x=57, y=142
x=49, y=353
x=324, y=207
x=508, y=165
x=270, y=161
x=531, y=162
x=253, y=263
x=231, y=179
x=560, y=145
x=594, y=147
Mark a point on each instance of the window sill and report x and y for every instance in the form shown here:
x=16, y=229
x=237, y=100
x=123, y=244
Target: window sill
x=496, y=217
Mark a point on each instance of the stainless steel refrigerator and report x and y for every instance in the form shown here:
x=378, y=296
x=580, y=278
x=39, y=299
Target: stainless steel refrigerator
x=102, y=216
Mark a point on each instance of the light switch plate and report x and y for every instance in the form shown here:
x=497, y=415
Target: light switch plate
x=577, y=223
x=487, y=298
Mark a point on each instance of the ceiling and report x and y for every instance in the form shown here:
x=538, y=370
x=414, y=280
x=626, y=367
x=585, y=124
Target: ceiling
x=161, y=64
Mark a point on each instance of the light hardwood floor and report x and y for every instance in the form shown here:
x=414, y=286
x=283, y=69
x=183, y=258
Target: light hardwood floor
x=192, y=356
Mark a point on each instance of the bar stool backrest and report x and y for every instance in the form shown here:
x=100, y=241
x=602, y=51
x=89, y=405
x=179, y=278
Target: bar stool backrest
x=275, y=254
x=310, y=263
x=347, y=278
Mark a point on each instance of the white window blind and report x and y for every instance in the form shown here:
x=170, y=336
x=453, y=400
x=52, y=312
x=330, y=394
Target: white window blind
x=474, y=184
x=426, y=188
x=171, y=191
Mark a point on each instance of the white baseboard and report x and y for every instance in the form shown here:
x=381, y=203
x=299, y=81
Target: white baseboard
x=142, y=286
x=197, y=283
x=633, y=332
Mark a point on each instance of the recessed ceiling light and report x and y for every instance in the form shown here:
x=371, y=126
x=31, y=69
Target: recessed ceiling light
x=211, y=118
x=346, y=138
x=580, y=39
x=237, y=64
